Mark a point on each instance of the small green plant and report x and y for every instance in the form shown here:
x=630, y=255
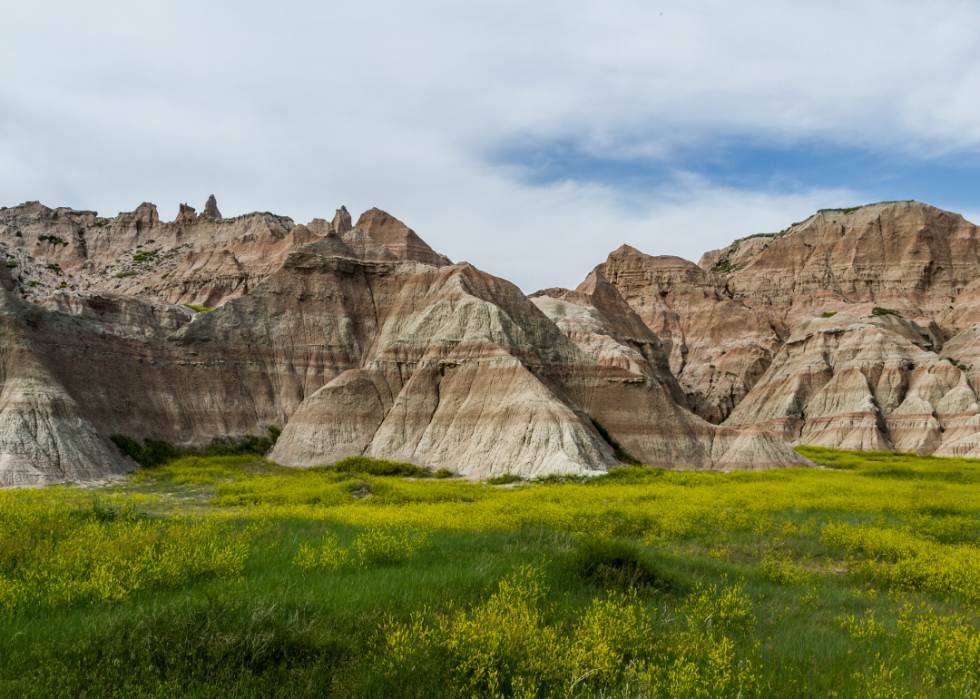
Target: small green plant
x=62, y=285
x=195, y=307
x=146, y=256
x=34, y=282
x=274, y=432
x=53, y=239
x=613, y=564
x=879, y=311
x=618, y=451
x=155, y=452
x=379, y=467
x=372, y=548
x=444, y=473
x=55, y=268
x=129, y=273
x=731, y=373
x=828, y=314
x=11, y=263
x=505, y=479
x=102, y=511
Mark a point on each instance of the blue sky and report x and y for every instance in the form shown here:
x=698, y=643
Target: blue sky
x=950, y=181
x=528, y=139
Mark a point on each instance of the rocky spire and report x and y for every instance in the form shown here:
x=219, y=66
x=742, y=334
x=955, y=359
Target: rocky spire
x=186, y=214
x=341, y=221
x=211, y=209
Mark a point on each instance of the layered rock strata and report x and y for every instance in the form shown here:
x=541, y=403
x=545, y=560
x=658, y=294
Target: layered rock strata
x=717, y=345
x=753, y=338
x=860, y=381
x=354, y=346
x=637, y=397
x=202, y=260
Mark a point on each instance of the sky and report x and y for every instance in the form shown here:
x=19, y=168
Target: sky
x=529, y=139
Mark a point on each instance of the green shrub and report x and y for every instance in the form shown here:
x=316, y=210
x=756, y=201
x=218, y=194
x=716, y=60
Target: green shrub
x=130, y=273
x=620, y=453
x=157, y=452
x=828, y=314
x=195, y=307
x=444, y=473
x=55, y=240
x=612, y=564
x=879, y=311
x=11, y=263
x=379, y=467
x=55, y=268
x=505, y=479
x=34, y=282
x=145, y=256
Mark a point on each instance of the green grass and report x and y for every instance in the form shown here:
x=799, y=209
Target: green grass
x=278, y=631
x=195, y=307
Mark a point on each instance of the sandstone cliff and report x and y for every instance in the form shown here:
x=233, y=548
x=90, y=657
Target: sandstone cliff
x=638, y=399
x=202, y=260
x=358, y=338
x=718, y=346
x=754, y=340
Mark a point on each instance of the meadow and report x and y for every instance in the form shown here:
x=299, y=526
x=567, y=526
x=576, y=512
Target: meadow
x=230, y=576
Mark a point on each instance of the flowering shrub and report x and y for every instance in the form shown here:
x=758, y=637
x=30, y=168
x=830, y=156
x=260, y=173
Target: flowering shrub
x=516, y=645
x=57, y=549
x=903, y=561
x=373, y=547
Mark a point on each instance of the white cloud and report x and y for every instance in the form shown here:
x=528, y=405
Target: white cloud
x=299, y=107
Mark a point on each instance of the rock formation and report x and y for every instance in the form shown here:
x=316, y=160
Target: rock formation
x=637, y=398
x=211, y=209
x=838, y=331
x=399, y=238
x=341, y=221
x=358, y=339
x=202, y=260
x=718, y=346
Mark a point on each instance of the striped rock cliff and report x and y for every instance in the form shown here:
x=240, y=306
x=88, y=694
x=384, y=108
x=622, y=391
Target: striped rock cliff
x=355, y=347
x=718, y=346
x=856, y=380
x=196, y=259
x=750, y=344
x=638, y=399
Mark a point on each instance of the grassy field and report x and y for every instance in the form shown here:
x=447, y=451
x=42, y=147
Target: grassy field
x=229, y=576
